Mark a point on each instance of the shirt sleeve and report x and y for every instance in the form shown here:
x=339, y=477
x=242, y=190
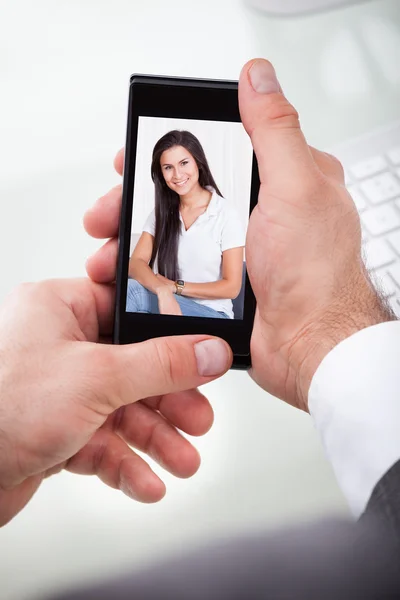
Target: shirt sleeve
x=354, y=400
x=233, y=231
x=150, y=224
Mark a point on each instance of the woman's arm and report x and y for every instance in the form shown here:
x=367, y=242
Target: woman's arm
x=139, y=269
x=227, y=287
x=139, y=264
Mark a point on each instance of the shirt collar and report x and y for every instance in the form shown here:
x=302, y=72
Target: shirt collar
x=212, y=208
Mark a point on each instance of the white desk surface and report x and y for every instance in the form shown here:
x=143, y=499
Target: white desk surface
x=64, y=72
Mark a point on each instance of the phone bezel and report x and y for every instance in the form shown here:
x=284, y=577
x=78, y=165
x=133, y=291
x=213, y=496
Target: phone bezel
x=185, y=98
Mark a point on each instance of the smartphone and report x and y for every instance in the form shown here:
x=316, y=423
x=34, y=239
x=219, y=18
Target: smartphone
x=190, y=183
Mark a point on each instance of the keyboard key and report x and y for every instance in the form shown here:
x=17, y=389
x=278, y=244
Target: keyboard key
x=381, y=220
x=381, y=188
x=384, y=283
x=366, y=168
x=394, y=239
x=378, y=254
x=358, y=198
x=394, y=272
x=394, y=155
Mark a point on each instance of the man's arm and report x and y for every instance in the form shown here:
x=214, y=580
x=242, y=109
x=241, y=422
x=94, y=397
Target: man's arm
x=354, y=399
x=384, y=504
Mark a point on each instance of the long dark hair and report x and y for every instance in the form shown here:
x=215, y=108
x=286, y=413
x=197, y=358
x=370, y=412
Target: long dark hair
x=167, y=229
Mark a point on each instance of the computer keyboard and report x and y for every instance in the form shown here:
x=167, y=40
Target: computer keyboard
x=372, y=169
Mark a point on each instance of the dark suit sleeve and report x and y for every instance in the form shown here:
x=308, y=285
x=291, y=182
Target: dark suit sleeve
x=334, y=560
x=384, y=505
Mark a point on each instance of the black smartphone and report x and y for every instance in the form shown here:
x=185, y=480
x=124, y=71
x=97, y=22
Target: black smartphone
x=190, y=183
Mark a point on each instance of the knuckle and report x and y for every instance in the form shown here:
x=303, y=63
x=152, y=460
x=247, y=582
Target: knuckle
x=335, y=161
x=336, y=165
x=99, y=456
x=163, y=356
x=280, y=113
x=117, y=189
x=316, y=187
x=101, y=201
x=329, y=164
x=173, y=361
x=34, y=289
x=25, y=288
x=99, y=373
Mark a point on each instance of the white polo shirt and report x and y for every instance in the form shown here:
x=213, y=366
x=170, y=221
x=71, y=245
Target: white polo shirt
x=200, y=248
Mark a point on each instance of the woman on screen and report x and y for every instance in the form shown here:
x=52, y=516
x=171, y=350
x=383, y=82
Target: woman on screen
x=189, y=259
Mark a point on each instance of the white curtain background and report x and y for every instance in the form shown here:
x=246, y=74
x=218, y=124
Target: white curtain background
x=228, y=151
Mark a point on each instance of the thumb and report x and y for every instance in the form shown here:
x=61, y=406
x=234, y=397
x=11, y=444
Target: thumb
x=159, y=366
x=273, y=125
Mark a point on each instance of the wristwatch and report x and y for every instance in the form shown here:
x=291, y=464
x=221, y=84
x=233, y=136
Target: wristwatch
x=179, y=285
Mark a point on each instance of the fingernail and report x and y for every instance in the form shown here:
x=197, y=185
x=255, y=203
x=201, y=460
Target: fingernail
x=212, y=357
x=263, y=77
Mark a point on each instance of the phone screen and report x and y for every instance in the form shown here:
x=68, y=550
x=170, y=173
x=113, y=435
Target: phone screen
x=191, y=202
x=190, y=183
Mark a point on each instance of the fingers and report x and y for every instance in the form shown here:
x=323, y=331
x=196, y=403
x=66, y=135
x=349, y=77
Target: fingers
x=149, y=432
x=102, y=220
x=189, y=411
x=80, y=309
x=12, y=501
x=119, y=161
x=274, y=127
x=121, y=375
x=102, y=266
x=110, y=458
x=93, y=306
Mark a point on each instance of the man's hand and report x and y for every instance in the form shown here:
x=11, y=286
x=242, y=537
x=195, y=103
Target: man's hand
x=68, y=402
x=303, y=246
x=167, y=303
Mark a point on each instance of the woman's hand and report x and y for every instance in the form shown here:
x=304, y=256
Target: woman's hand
x=67, y=402
x=167, y=303
x=167, y=282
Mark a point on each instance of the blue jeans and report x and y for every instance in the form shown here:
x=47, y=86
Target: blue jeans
x=140, y=300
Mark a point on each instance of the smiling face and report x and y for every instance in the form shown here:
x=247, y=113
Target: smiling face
x=179, y=170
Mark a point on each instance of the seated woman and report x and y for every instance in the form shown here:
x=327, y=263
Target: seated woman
x=189, y=259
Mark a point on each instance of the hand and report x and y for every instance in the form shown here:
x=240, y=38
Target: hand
x=67, y=402
x=303, y=247
x=167, y=303
x=313, y=291
x=167, y=282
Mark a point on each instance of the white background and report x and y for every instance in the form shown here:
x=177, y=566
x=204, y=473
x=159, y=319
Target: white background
x=64, y=73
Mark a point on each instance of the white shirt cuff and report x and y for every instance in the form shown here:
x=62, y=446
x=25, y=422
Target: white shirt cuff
x=354, y=399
